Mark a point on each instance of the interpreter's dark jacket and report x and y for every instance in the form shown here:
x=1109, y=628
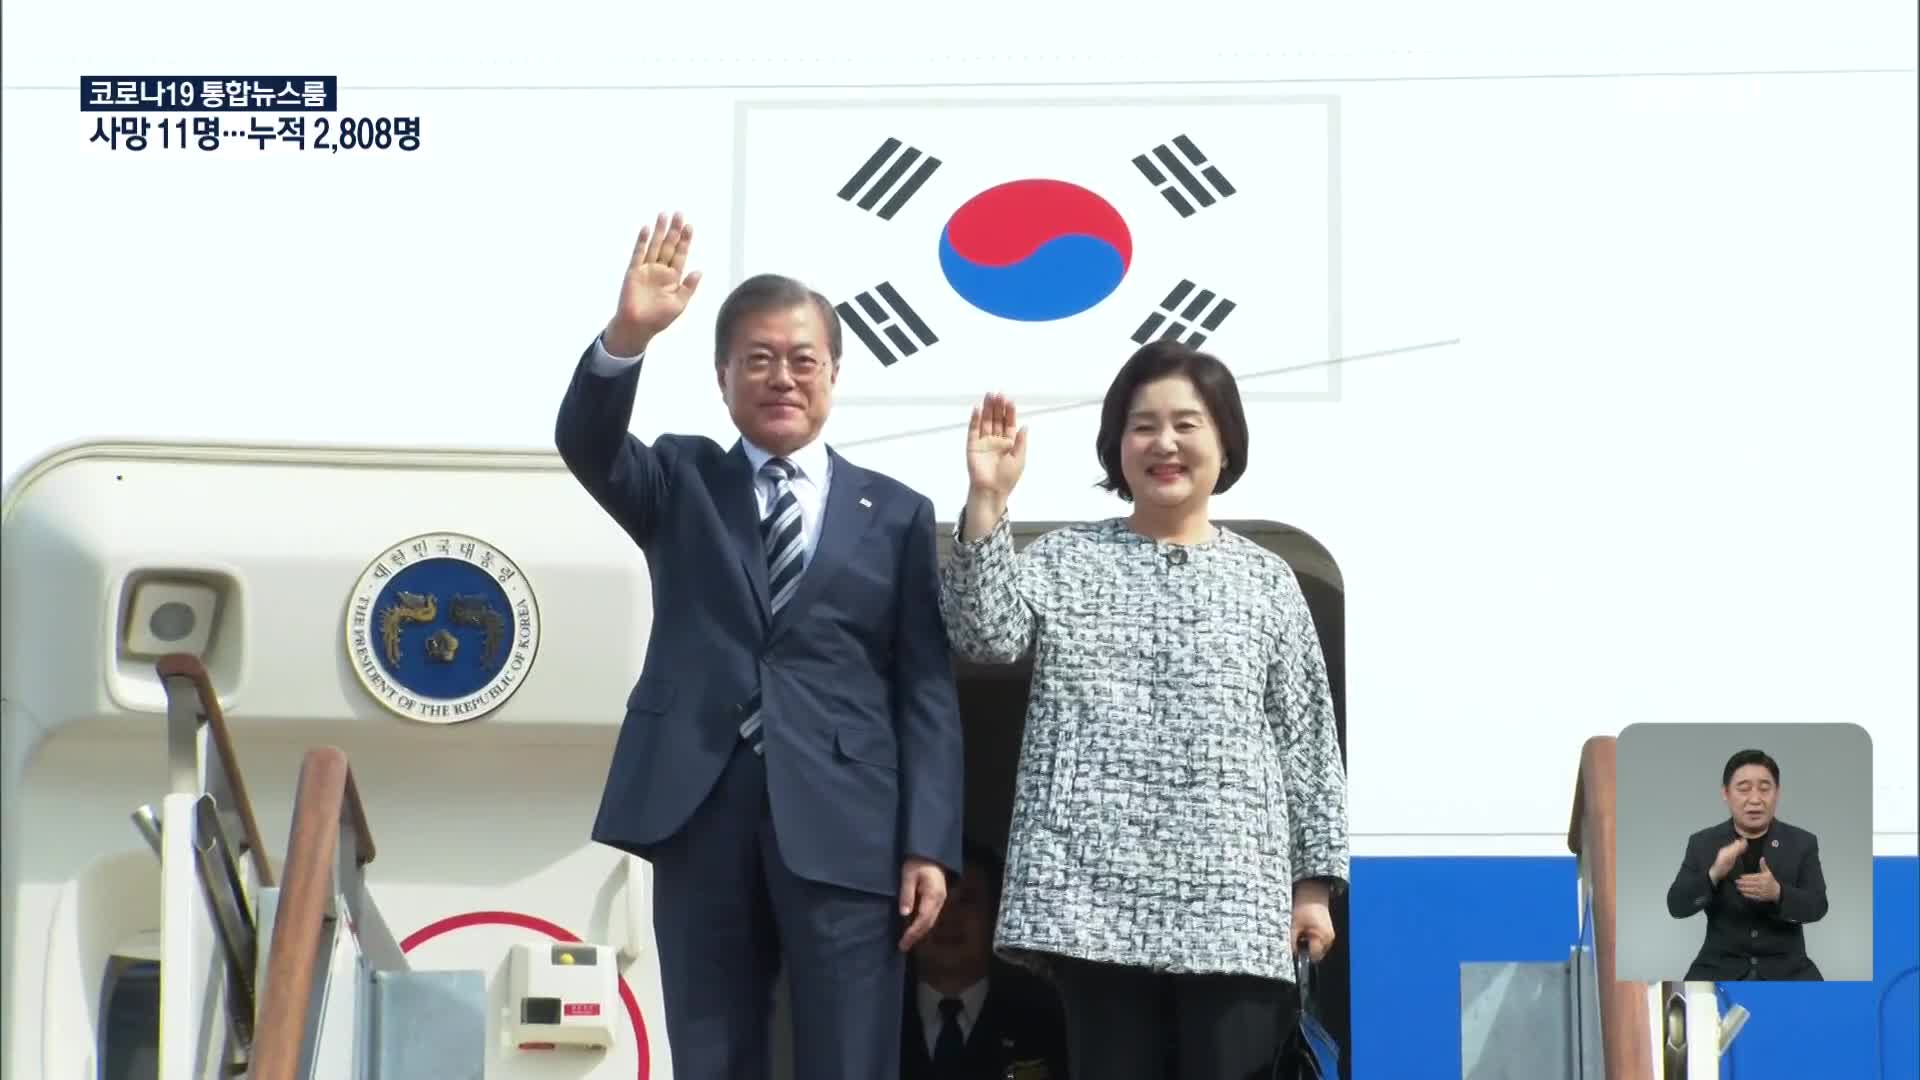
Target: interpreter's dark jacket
x=1751, y=939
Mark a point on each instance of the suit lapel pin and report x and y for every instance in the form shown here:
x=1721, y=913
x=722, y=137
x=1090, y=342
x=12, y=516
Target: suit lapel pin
x=865, y=503
x=1776, y=843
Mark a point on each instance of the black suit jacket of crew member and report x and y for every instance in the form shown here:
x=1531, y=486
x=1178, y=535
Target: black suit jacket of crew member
x=1021, y=1032
x=1752, y=939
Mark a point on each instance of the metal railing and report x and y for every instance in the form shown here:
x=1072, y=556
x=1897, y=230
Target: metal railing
x=324, y=887
x=207, y=838
x=1625, y=1037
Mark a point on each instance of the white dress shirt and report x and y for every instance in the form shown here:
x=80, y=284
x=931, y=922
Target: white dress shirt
x=972, y=1000
x=814, y=467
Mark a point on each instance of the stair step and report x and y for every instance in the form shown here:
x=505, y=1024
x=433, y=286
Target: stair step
x=428, y=1023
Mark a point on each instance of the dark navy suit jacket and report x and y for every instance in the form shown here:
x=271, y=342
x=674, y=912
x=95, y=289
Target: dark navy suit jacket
x=863, y=743
x=1752, y=939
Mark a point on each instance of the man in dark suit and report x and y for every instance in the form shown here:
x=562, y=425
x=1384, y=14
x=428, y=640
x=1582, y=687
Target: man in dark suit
x=968, y=1017
x=790, y=761
x=1757, y=878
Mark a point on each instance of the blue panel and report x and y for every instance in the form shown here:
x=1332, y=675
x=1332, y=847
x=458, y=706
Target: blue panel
x=1414, y=921
x=1790, y=1022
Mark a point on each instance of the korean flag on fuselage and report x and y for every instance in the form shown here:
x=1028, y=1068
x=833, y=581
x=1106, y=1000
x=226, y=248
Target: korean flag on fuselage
x=1029, y=247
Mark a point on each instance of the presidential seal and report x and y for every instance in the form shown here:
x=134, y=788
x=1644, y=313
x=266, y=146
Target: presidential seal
x=442, y=628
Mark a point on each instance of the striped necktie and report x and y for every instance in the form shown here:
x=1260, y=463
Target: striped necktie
x=783, y=533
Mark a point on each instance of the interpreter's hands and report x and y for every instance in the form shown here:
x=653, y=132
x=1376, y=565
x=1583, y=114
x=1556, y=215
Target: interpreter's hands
x=996, y=448
x=656, y=288
x=923, y=892
x=1761, y=886
x=1312, y=920
x=1723, y=862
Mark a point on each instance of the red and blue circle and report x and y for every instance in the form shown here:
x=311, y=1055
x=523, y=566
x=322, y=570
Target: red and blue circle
x=1035, y=250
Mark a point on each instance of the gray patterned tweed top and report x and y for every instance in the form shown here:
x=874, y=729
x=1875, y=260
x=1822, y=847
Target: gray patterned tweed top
x=1179, y=770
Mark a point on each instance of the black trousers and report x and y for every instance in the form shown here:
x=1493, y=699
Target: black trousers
x=1126, y=1023
x=1725, y=967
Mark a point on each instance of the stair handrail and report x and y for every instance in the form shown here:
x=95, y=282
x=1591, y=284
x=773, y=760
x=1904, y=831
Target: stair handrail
x=324, y=863
x=1625, y=1038
x=191, y=702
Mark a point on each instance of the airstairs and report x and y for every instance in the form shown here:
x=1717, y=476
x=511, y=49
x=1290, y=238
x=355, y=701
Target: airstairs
x=1572, y=1019
x=296, y=978
x=300, y=978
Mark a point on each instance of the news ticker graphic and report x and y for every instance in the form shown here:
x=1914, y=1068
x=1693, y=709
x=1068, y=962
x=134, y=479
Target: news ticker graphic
x=136, y=133
x=205, y=93
x=234, y=103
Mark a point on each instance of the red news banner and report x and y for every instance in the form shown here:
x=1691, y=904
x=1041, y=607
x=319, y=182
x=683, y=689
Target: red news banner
x=138, y=112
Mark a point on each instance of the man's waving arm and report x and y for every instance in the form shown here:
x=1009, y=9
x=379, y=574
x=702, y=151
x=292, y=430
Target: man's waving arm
x=622, y=473
x=926, y=710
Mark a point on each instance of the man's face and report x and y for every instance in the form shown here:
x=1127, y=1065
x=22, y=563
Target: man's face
x=1752, y=797
x=778, y=378
x=962, y=938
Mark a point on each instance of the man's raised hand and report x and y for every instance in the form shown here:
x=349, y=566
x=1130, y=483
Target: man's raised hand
x=1724, y=858
x=1762, y=886
x=656, y=288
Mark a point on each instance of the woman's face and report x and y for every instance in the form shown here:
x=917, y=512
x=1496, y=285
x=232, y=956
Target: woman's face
x=1170, y=452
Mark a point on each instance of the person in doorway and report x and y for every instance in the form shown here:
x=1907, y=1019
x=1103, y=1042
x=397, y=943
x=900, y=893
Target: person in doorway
x=791, y=757
x=1180, y=816
x=967, y=1017
x=1758, y=880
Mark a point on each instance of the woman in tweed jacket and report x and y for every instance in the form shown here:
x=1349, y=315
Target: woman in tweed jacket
x=1180, y=812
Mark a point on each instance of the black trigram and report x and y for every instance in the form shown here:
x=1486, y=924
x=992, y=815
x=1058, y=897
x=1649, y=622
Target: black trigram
x=1175, y=178
x=1177, y=314
x=890, y=186
x=880, y=312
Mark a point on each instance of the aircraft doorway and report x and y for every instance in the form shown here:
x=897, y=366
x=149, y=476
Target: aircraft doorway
x=993, y=705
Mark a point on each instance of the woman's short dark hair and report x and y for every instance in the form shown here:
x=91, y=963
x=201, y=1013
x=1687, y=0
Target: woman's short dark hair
x=1211, y=380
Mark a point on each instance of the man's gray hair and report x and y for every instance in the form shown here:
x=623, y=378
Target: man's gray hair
x=769, y=292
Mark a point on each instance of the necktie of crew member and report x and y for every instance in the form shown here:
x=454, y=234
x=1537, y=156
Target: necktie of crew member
x=951, y=1046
